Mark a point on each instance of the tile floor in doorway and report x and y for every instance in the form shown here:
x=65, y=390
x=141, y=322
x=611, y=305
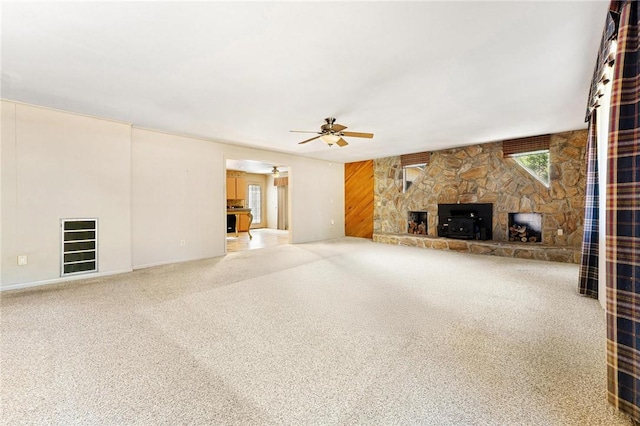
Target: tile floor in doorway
x=263, y=237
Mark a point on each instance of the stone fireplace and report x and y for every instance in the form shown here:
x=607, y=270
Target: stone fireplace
x=481, y=174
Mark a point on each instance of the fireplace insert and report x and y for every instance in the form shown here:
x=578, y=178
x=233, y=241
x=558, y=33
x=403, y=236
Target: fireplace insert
x=463, y=227
x=470, y=221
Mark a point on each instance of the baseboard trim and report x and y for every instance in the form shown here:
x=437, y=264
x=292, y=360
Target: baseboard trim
x=62, y=280
x=170, y=262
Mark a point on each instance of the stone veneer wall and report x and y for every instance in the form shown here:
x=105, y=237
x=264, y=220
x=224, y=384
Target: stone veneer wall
x=480, y=174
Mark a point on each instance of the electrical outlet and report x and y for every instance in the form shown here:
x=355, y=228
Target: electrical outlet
x=332, y=222
x=183, y=243
x=560, y=231
x=22, y=260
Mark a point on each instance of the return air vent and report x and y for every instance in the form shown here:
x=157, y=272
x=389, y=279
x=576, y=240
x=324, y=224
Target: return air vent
x=79, y=246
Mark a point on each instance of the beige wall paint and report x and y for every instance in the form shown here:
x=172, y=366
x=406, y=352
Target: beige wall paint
x=149, y=190
x=176, y=193
x=7, y=189
x=272, y=204
x=56, y=166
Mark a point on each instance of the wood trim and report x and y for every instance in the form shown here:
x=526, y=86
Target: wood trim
x=358, y=199
x=236, y=174
x=281, y=181
x=415, y=159
x=522, y=145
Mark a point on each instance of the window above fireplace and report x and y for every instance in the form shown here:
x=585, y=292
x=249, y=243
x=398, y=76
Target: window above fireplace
x=412, y=166
x=532, y=154
x=409, y=174
x=536, y=163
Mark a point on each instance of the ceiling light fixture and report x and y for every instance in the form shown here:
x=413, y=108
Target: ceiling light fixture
x=275, y=172
x=330, y=139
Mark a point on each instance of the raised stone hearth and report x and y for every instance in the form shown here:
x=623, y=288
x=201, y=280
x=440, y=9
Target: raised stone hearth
x=492, y=248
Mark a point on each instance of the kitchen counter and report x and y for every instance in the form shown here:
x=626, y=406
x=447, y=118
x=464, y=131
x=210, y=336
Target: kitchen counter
x=238, y=212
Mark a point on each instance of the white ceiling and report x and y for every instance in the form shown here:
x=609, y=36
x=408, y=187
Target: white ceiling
x=253, y=166
x=420, y=75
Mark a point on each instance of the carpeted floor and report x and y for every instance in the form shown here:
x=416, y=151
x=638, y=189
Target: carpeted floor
x=339, y=332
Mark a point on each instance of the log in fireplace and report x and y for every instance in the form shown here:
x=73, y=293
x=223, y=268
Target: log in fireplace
x=525, y=227
x=417, y=223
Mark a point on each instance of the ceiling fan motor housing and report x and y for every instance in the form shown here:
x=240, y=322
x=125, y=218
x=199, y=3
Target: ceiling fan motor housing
x=328, y=127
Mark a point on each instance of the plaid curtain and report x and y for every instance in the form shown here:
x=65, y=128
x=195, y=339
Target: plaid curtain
x=623, y=220
x=589, y=261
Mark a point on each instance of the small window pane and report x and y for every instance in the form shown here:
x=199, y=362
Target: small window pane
x=409, y=174
x=255, y=202
x=536, y=163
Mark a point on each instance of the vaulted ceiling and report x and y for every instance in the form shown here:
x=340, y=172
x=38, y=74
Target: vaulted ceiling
x=421, y=76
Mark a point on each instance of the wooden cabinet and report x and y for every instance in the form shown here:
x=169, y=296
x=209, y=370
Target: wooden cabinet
x=236, y=188
x=241, y=188
x=231, y=188
x=243, y=225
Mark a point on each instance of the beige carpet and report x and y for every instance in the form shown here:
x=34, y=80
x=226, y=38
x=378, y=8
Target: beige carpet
x=339, y=332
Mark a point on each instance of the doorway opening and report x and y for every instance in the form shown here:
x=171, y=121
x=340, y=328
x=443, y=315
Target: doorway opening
x=257, y=205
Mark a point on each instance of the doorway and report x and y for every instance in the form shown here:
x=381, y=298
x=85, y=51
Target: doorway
x=261, y=190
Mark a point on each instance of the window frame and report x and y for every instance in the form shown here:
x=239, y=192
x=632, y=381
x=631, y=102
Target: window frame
x=256, y=219
x=421, y=168
x=516, y=158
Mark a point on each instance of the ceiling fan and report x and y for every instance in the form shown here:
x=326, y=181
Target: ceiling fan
x=332, y=133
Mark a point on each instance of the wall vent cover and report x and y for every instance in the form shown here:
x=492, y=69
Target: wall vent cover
x=79, y=246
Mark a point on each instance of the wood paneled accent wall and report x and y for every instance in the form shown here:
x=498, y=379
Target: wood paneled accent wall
x=358, y=199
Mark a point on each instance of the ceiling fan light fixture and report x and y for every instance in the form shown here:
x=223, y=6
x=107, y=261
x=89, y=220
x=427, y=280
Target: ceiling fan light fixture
x=332, y=133
x=330, y=139
x=275, y=172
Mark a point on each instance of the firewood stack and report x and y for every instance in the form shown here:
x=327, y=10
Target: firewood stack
x=523, y=233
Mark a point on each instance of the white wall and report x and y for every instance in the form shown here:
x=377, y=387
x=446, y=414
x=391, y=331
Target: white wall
x=57, y=165
x=321, y=215
x=602, y=117
x=7, y=167
x=178, y=189
x=149, y=190
x=272, y=204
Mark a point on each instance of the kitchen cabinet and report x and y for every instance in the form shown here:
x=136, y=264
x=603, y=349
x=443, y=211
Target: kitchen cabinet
x=243, y=224
x=242, y=221
x=236, y=188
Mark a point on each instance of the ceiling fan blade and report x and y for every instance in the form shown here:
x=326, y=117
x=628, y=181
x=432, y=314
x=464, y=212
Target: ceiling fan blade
x=341, y=142
x=309, y=140
x=338, y=127
x=357, y=134
x=303, y=131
